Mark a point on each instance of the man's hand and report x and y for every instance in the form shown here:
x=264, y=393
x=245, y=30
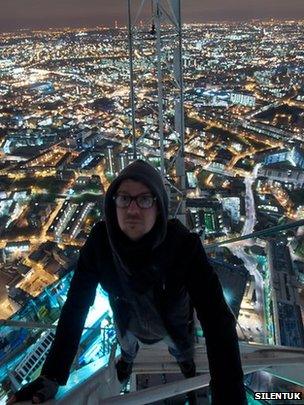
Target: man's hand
x=40, y=390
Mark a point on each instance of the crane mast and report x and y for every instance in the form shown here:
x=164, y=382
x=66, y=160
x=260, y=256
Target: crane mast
x=157, y=93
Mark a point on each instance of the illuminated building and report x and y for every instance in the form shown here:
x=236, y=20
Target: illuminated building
x=110, y=160
x=242, y=99
x=293, y=179
x=294, y=156
x=285, y=303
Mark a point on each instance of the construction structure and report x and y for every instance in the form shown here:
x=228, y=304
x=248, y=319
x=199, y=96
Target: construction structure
x=155, y=48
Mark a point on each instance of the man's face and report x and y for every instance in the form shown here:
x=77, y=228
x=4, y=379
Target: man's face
x=135, y=222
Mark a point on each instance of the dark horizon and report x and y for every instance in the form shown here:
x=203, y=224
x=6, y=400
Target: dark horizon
x=33, y=15
x=92, y=27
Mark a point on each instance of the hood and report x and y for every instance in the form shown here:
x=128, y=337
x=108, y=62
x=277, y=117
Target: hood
x=141, y=171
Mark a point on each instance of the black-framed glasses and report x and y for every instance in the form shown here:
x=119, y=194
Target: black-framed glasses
x=142, y=201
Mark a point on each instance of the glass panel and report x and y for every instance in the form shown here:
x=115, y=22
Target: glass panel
x=262, y=381
x=261, y=279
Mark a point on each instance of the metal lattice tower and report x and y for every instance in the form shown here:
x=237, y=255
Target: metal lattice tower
x=156, y=90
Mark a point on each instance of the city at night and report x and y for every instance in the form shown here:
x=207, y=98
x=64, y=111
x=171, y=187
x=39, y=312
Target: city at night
x=209, y=94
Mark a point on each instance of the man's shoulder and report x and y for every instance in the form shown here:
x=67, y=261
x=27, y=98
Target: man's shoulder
x=99, y=229
x=100, y=226
x=99, y=235
x=179, y=232
x=97, y=245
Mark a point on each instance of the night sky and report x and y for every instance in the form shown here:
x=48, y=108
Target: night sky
x=16, y=14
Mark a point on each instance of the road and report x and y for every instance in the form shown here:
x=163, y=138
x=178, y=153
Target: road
x=249, y=202
x=239, y=250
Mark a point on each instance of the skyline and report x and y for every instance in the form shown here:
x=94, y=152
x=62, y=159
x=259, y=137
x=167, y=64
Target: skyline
x=34, y=14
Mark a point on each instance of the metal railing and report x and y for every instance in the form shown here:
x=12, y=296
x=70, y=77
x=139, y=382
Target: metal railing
x=103, y=385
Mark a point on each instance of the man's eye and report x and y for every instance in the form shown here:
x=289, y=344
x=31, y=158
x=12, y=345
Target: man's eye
x=124, y=197
x=145, y=199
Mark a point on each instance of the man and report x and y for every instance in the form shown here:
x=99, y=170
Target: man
x=155, y=271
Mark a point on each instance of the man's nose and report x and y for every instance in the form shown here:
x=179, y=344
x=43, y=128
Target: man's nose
x=133, y=207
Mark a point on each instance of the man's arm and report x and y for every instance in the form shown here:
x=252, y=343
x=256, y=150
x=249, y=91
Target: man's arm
x=80, y=297
x=219, y=326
